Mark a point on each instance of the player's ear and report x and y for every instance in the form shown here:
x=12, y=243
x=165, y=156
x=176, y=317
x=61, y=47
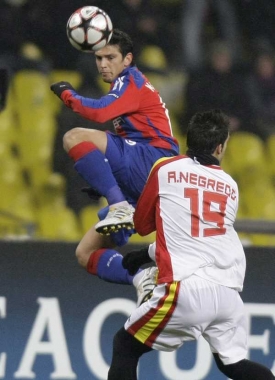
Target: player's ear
x=128, y=59
x=219, y=149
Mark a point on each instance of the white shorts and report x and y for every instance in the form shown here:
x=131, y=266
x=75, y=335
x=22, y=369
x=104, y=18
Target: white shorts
x=185, y=310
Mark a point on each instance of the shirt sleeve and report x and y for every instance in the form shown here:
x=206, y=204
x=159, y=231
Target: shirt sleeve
x=144, y=217
x=123, y=98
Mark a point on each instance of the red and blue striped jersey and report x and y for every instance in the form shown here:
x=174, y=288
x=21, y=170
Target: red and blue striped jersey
x=134, y=105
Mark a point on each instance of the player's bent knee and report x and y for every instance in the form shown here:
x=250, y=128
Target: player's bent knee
x=71, y=138
x=77, y=135
x=82, y=256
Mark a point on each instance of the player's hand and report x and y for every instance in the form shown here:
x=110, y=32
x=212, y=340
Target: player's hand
x=133, y=260
x=59, y=87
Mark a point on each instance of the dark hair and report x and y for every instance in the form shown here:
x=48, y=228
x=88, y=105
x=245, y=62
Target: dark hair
x=123, y=41
x=206, y=130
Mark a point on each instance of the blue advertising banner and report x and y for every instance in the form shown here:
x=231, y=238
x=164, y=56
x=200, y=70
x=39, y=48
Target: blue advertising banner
x=58, y=322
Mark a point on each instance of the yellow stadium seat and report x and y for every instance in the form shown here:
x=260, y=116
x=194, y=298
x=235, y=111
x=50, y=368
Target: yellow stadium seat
x=56, y=221
x=36, y=121
x=51, y=192
x=259, y=203
x=270, y=144
x=246, y=154
x=259, y=200
x=58, y=224
x=248, y=145
x=15, y=197
x=14, y=227
x=8, y=122
x=153, y=57
x=36, y=150
x=88, y=217
x=11, y=174
x=33, y=96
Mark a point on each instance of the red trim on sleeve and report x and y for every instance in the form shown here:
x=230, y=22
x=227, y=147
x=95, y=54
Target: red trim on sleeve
x=93, y=261
x=81, y=149
x=144, y=216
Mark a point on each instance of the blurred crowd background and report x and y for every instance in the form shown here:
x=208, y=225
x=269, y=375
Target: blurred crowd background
x=199, y=54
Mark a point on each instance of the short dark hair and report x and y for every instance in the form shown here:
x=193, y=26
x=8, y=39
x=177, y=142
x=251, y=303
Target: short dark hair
x=123, y=41
x=206, y=130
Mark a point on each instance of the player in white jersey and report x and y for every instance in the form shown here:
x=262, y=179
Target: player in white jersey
x=192, y=204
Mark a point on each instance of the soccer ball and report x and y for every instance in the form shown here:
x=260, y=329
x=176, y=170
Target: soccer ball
x=89, y=29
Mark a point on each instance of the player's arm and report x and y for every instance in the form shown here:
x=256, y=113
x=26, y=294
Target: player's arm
x=122, y=99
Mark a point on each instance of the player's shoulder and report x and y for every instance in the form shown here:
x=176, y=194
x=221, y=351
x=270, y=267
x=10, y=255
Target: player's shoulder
x=229, y=178
x=166, y=161
x=138, y=78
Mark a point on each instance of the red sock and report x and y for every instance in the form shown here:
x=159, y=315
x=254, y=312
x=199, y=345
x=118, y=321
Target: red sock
x=93, y=261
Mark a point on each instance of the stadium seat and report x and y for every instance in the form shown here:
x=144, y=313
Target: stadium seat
x=51, y=192
x=15, y=194
x=33, y=101
x=153, y=57
x=88, y=217
x=36, y=122
x=245, y=149
x=247, y=158
x=56, y=221
x=35, y=148
x=248, y=163
x=32, y=95
x=259, y=203
x=270, y=144
x=259, y=200
x=8, y=121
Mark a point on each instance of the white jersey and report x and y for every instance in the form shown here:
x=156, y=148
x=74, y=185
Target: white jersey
x=193, y=209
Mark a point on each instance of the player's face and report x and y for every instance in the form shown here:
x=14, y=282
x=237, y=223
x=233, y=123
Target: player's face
x=110, y=62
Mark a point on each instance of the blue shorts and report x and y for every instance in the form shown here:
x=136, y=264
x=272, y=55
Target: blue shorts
x=131, y=163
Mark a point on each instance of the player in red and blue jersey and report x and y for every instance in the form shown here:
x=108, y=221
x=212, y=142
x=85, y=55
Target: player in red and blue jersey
x=117, y=164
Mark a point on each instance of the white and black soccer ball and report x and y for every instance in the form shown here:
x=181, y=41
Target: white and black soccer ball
x=89, y=29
